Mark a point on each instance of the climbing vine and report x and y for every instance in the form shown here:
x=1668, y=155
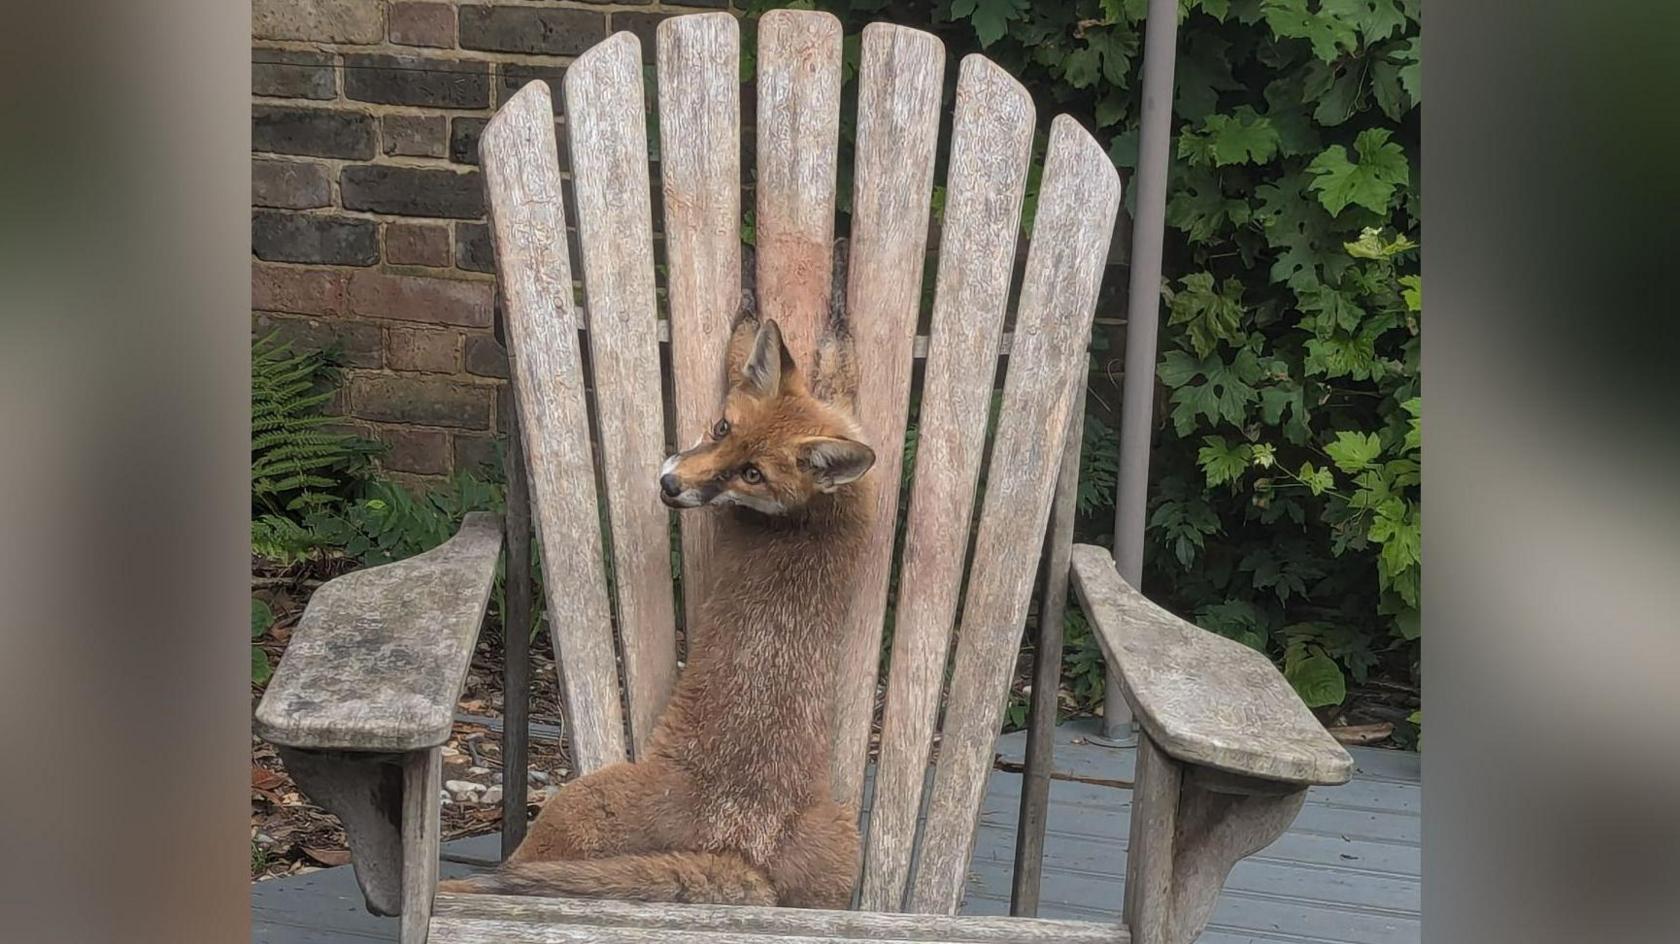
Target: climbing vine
x=1285, y=501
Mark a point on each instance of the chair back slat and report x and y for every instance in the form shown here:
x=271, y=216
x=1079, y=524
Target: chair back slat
x=991, y=147
x=606, y=127
x=522, y=177
x=798, y=112
x=798, y=133
x=699, y=63
x=1078, y=199
x=899, y=76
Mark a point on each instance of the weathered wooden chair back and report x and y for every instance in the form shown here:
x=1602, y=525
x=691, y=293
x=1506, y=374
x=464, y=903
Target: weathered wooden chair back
x=699, y=165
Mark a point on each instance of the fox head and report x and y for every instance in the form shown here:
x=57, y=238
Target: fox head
x=773, y=446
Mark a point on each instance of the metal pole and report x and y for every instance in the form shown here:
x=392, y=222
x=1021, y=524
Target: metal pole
x=1143, y=313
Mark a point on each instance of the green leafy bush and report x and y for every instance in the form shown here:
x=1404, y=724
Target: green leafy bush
x=1285, y=507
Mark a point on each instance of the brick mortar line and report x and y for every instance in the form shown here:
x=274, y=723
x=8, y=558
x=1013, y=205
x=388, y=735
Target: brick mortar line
x=387, y=48
x=378, y=109
x=430, y=272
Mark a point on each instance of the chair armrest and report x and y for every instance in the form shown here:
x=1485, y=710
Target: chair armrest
x=379, y=658
x=1202, y=698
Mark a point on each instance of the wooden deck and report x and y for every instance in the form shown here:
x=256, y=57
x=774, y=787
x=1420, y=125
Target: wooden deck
x=1347, y=871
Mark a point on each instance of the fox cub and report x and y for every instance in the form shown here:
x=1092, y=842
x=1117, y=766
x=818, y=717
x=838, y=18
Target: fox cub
x=731, y=803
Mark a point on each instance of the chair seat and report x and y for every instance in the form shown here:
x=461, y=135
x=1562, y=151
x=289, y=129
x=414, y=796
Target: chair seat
x=498, y=919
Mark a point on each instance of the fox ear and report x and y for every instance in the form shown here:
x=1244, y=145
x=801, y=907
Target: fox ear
x=835, y=462
x=768, y=361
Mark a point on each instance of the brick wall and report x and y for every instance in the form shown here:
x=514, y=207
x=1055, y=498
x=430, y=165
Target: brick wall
x=367, y=211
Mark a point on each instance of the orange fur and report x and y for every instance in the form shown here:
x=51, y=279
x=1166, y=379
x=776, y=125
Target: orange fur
x=731, y=803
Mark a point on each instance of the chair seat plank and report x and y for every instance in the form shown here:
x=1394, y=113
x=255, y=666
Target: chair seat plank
x=991, y=146
x=1202, y=698
x=798, y=133
x=481, y=919
x=380, y=655
x=699, y=67
x=528, y=224
x=1077, y=204
x=899, y=78
x=606, y=124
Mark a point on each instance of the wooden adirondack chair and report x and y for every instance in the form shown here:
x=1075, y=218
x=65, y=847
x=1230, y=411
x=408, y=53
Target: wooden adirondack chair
x=366, y=692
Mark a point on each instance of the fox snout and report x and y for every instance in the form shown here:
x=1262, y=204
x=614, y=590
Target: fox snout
x=676, y=493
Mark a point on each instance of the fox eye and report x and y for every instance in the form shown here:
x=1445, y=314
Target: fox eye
x=721, y=429
x=751, y=474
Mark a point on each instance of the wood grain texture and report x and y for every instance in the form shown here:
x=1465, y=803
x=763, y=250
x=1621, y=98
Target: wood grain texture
x=798, y=133
x=699, y=63
x=480, y=919
x=606, y=124
x=1047, y=673
x=1219, y=823
x=1077, y=202
x=379, y=657
x=899, y=78
x=990, y=150
x=1149, y=852
x=528, y=224
x=364, y=792
x=516, y=647
x=422, y=773
x=1202, y=698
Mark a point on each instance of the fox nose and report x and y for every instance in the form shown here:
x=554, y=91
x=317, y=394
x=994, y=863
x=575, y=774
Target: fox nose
x=668, y=482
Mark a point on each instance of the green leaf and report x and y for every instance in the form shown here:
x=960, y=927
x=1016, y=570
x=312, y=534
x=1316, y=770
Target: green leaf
x=990, y=18
x=1352, y=451
x=1388, y=83
x=1409, y=623
x=1222, y=462
x=1315, y=676
x=1297, y=224
x=1397, y=528
x=1317, y=481
x=261, y=671
x=1414, y=425
x=1376, y=20
x=1371, y=245
x=1243, y=137
x=1178, y=368
x=1218, y=9
x=1111, y=111
x=1117, y=48
x=1123, y=149
x=1209, y=316
x=1329, y=35
x=1225, y=396
x=1235, y=619
x=1329, y=310
x=1203, y=71
x=261, y=617
x=1082, y=67
x=1342, y=355
x=1411, y=72
x=1336, y=89
x=1412, y=292
x=1370, y=183
x=1200, y=208
x=1278, y=399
